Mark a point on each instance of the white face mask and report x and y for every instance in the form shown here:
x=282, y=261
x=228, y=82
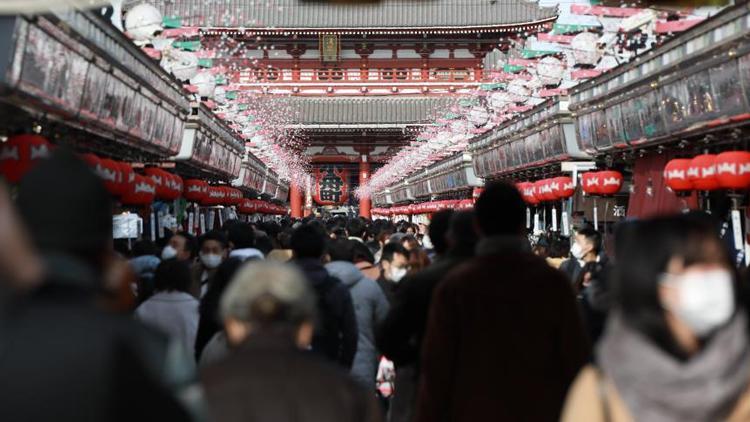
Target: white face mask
x=397, y=274
x=168, y=252
x=705, y=299
x=210, y=260
x=577, y=251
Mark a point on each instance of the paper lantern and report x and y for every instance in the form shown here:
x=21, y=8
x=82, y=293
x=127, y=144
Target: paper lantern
x=590, y=183
x=562, y=187
x=611, y=182
x=128, y=177
x=159, y=177
x=733, y=169
x=676, y=175
x=205, y=82
x=142, y=192
x=216, y=196
x=543, y=190
x=528, y=192
x=478, y=116
x=111, y=174
x=19, y=154
x=550, y=70
x=702, y=172
x=182, y=64
x=195, y=190
x=143, y=22
x=585, y=48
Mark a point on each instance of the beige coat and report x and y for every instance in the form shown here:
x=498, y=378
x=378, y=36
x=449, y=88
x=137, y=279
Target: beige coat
x=584, y=402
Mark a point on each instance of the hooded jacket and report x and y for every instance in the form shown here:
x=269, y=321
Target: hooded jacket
x=370, y=308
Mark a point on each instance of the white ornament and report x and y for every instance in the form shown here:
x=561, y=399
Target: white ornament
x=182, y=64
x=143, y=22
x=478, y=116
x=205, y=82
x=585, y=48
x=550, y=71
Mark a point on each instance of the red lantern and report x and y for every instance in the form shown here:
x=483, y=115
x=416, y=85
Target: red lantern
x=216, y=196
x=141, y=192
x=611, y=182
x=676, y=175
x=733, y=169
x=195, y=190
x=529, y=193
x=111, y=173
x=159, y=177
x=20, y=153
x=702, y=172
x=562, y=187
x=235, y=196
x=591, y=183
x=128, y=177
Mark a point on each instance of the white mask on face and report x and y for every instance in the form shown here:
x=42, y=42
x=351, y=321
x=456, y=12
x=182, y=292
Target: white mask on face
x=397, y=274
x=577, y=251
x=210, y=260
x=168, y=252
x=705, y=299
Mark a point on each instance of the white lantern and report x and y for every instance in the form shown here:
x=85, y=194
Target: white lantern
x=459, y=126
x=182, y=64
x=500, y=99
x=585, y=48
x=518, y=90
x=205, y=82
x=550, y=71
x=220, y=95
x=143, y=22
x=478, y=116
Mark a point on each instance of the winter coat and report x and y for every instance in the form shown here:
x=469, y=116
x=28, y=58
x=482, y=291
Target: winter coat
x=335, y=334
x=370, y=307
x=504, y=339
x=269, y=379
x=174, y=313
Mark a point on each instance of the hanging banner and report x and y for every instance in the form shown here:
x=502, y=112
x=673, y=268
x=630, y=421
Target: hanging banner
x=331, y=185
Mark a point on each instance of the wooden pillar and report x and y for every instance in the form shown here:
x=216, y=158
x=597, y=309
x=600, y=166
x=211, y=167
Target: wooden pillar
x=295, y=200
x=365, y=203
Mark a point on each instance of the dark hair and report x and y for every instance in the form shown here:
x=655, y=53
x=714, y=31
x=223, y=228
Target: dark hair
x=264, y=244
x=412, y=241
x=191, y=245
x=285, y=239
x=341, y=250
x=500, y=210
x=463, y=234
x=648, y=249
x=438, y=230
x=241, y=235
x=356, y=228
x=308, y=241
x=210, y=323
x=340, y=233
x=214, y=235
x=592, y=236
x=362, y=253
x=172, y=275
x=391, y=249
x=144, y=247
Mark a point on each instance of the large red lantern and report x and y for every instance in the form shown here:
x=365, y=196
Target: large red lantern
x=195, y=190
x=112, y=175
x=562, y=187
x=591, y=183
x=676, y=175
x=20, y=153
x=216, y=196
x=160, y=178
x=128, y=177
x=235, y=196
x=733, y=169
x=141, y=192
x=528, y=192
x=611, y=182
x=702, y=172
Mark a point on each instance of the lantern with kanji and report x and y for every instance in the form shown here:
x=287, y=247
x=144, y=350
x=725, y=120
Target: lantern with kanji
x=160, y=178
x=331, y=185
x=702, y=172
x=562, y=187
x=611, y=182
x=141, y=192
x=195, y=190
x=20, y=153
x=591, y=183
x=676, y=175
x=733, y=169
x=111, y=173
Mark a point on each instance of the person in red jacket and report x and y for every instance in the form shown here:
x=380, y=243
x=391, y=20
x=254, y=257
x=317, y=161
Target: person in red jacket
x=504, y=338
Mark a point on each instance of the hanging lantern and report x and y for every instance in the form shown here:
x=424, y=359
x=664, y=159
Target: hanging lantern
x=141, y=192
x=676, y=175
x=128, y=177
x=111, y=174
x=19, y=154
x=182, y=64
x=195, y=190
x=562, y=187
x=702, y=172
x=550, y=70
x=611, y=182
x=542, y=190
x=585, y=48
x=216, y=196
x=733, y=169
x=159, y=177
x=591, y=183
x=205, y=82
x=528, y=192
x=143, y=22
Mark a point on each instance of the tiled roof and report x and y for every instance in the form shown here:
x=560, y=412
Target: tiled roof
x=396, y=14
x=369, y=110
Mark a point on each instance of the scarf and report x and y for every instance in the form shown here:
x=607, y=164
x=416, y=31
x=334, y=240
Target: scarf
x=657, y=387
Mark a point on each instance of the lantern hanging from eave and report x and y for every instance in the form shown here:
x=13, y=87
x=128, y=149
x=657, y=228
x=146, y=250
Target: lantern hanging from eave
x=591, y=183
x=528, y=193
x=112, y=175
x=676, y=175
x=562, y=187
x=160, y=181
x=702, y=172
x=216, y=196
x=195, y=190
x=235, y=196
x=733, y=169
x=128, y=177
x=611, y=182
x=20, y=153
x=142, y=192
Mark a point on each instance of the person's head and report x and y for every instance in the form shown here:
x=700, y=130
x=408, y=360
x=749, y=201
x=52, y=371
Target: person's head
x=587, y=244
x=267, y=298
x=394, y=262
x=500, y=211
x=308, y=242
x=674, y=281
x=542, y=247
x=264, y=244
x=362, y=253
x=438, y=230
x=180, y=246
x=79, y=223
x=341, y=250
x=383, y=236
x=410, y=230
x=356, y=228
x=410, y=243
x=213, y=249
x=462, y=234
x=172, y=275
x=240, y=235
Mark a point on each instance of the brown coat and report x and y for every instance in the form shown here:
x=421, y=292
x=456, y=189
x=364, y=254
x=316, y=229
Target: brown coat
x=585, y=403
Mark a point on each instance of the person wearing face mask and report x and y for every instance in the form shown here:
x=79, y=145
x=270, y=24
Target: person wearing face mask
x=394, y=265
x=676, y=345
x=181, y=246
x=586, y=248
x=213, y=251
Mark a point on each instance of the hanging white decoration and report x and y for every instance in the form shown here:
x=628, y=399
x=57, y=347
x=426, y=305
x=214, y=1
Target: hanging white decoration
x=182, y=64
x=585, y=48
x=550, y=70
x=205, y=82
x=143, y=22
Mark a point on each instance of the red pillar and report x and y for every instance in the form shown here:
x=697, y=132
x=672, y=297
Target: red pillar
x=365, y=204
x=295, y=200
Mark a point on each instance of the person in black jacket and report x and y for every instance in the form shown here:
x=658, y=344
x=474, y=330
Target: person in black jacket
x=336, y=331
x=268, y=310
x=63, y=357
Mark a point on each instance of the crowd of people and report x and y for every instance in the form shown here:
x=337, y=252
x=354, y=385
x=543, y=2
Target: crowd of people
x=469, y=318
